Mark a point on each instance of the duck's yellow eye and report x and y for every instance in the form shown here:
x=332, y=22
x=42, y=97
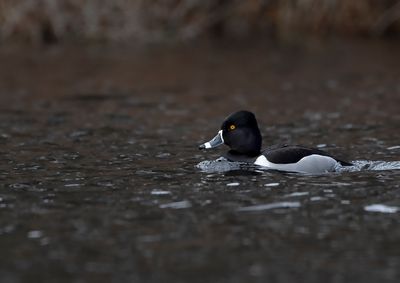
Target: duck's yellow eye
x=232, y=127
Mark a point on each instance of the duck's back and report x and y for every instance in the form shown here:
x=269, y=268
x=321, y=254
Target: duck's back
x=298, y=158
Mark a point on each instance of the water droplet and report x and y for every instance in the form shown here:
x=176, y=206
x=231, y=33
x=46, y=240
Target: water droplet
x=160, y=192
x=72, y=185
x=316, y=198
x=268, y=206
x=177, y=205
x=381, y=208
x=271, y=185
x=296, y=194
x=394, y=147
x=35, y=234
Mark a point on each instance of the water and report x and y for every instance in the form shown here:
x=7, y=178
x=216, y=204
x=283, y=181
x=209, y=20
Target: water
x=100, y=177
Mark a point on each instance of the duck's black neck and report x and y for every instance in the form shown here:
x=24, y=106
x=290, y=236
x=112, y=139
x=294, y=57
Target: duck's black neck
x=233, y=155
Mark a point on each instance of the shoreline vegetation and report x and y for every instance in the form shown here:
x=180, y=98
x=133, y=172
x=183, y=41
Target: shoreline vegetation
x=146, y=21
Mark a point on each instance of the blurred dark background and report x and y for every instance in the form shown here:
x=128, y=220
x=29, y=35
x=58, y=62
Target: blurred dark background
x=144, y=21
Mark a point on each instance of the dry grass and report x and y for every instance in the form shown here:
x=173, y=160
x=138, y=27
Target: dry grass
x=159, y=20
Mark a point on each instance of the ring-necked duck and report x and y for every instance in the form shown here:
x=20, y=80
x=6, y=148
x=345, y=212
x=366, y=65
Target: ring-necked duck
x=241, y=133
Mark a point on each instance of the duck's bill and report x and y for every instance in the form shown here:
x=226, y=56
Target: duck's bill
x=216, y=141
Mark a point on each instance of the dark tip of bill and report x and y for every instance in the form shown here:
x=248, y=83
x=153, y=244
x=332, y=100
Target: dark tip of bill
x=202, y=146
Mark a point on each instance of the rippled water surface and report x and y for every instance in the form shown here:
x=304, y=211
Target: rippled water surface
x=101, y=179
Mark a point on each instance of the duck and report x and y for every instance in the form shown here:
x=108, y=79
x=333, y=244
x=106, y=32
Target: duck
x=240, y=132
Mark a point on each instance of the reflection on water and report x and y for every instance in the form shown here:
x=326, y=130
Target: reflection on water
x=101, y=179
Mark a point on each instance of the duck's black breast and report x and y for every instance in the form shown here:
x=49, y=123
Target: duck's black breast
x=285, y=154
x=235, y=156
